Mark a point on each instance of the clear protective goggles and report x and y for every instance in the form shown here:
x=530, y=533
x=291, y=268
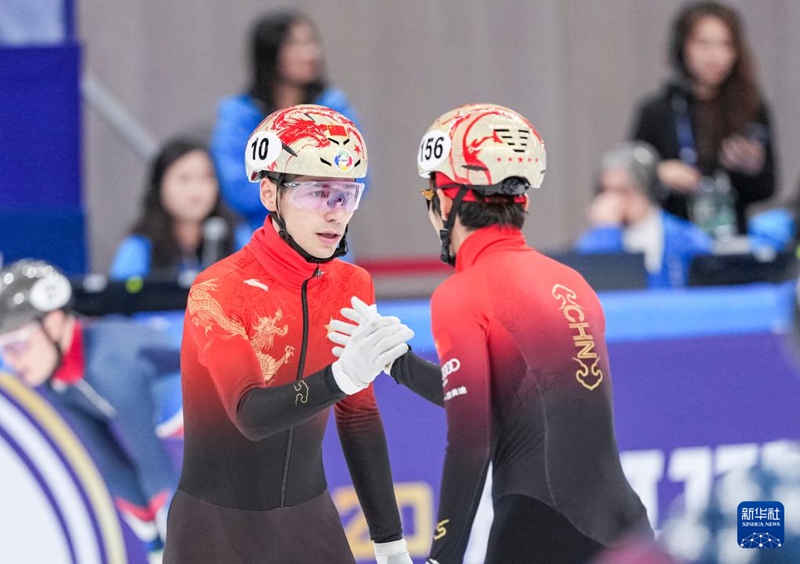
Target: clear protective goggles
x=326, y=195
x=16, y=342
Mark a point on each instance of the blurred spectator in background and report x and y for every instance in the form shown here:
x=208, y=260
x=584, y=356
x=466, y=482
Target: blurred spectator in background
x=286, y=69
x=107, y=379
x=183, y=226
x=625, y=217
x=710, y=124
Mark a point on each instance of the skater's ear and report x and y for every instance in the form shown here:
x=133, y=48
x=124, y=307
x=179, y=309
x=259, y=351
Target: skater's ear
x=445, y=204
x=269, y=194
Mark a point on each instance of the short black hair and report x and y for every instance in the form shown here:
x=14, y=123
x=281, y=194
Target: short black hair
x=499, y=210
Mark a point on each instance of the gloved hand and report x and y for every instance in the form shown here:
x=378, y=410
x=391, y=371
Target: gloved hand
x=372, y=345
x=341, y=330
x=395, y=552
x=357, y=314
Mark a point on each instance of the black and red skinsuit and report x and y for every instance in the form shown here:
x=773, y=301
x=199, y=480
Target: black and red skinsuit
x=257, y=386
x=526, y=386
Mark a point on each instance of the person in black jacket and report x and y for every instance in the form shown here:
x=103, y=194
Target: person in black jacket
x=710, y=124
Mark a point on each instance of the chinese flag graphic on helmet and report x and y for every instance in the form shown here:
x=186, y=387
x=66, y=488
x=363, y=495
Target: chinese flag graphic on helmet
x=482, y=145
x=308, y=140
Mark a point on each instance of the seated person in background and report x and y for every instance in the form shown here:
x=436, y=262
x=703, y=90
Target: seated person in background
x=183, y=226
x=710, y=124
x=104, y=377
x=286, y=68
x=625, y=217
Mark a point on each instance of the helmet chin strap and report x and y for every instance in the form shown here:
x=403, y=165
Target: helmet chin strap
x=444, y=233
x=341, y=250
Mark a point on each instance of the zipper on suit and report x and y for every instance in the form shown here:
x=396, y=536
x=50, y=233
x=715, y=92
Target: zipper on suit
x=300, y=367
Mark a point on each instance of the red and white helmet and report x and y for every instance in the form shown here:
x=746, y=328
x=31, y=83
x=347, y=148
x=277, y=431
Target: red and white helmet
x=482, y=145
x=308, y=140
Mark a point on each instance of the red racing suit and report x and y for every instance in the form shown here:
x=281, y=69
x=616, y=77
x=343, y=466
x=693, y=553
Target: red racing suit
x=257, y=386
x=525, y=384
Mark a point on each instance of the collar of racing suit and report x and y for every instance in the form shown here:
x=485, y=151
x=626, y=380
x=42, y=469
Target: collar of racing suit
x=487, y=240
x=279, y=259
x=72, y=364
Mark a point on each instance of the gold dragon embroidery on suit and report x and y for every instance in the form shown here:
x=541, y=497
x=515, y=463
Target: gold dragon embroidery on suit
x=205, y=312
x=266, y=330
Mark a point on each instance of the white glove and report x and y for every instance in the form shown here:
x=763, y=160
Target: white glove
x=395, y=552
x=357, y=314
x=342, y=330
x=372, y=345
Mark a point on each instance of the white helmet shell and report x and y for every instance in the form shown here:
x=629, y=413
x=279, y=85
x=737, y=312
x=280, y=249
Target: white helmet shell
x=308, y=140
x=482, y=145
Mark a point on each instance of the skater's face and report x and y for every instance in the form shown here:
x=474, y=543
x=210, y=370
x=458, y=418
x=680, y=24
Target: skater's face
x=30, y=352
x=317, y=231
x=709, y=52
x=436, y=219
x=439, y=208
x=300, y=56
x=189, y=188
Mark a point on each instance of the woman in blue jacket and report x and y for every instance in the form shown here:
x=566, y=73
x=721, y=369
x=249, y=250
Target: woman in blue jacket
x=626, y=217
x=287, y=69
x=183, y=225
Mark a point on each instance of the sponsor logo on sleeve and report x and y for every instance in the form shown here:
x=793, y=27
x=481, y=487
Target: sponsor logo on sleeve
x=448, y=368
